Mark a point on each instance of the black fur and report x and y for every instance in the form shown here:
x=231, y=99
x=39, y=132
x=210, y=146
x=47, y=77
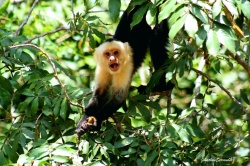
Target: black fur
x=158, y=52
x=102, y=106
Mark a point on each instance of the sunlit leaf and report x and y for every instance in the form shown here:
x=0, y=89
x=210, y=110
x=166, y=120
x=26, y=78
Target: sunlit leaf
x=226, y=39
x=231, y=7
x=136, y=122
x=176, y=15
x=166, y=8
x=199, y=13
x=182, y=133
x=212, y=43
x=176, y=27
x=186, y=113
x=245, y=8
x=191, y=25
x=217, y=7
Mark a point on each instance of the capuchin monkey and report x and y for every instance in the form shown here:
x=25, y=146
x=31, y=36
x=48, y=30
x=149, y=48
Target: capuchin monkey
x=117, y=60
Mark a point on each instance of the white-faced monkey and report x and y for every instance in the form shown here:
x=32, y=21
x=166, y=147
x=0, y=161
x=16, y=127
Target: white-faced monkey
x=117, y=60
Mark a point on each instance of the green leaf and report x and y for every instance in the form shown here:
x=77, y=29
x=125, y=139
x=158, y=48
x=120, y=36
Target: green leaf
x=114, y=9
x=212, y=43
x=191, y=25
x=217, y=7
x=176, y=27
x=39, y=153
x=23, y=105
x=201, y=35
x=91, y=40
x=56, y=109
x=245, y=8
x=166, y=9
x=12, y=155
x=98, y=33
x=129, y=151
x=181, y=66
x=2, y=158
x=26, y=58
x=199, y=96
x=60, y=159
x=22, y=140
x=5, y=84
x=243, y=94
x=92, y=18
x=200, y=155
x=63, y=110
x=144, y=112
x=137, y=2
x=226, y=39
x=138, y=15
x=173, y=18
x=150, y=158
x=199, y=13
x=62, y=151
x=182, y=133
x=34, y=106
x=217, y=66
x=186, y=112
x=85, y=148
x=151, y=104
x=195, y=130
x=231, y=7
x=4, y=4
x=6, y=42
x=124, y=142
x=28, y=133
x=138, y=122
x=154, y=80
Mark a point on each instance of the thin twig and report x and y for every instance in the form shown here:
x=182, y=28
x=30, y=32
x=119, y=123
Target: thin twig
x=44, y=34
x=55, y=72
x=27, y=18
x=224, y=89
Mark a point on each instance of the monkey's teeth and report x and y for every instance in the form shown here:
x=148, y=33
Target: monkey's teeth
x=114, y=67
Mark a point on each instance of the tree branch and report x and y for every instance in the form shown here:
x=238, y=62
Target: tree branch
x=44, y=34
x=27, y=17
x=224, y=89
x=241, y=62
x=55, y=72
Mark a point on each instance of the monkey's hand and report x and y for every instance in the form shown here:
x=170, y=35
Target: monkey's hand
x=87, y=123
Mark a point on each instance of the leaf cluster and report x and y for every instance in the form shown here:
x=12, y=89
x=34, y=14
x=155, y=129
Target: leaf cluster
x=205, y=123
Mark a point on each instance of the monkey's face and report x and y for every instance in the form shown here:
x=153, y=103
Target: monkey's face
x=112, y=58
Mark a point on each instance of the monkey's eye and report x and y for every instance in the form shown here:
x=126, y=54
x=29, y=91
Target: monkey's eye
x=107, y=54
x=116, y=53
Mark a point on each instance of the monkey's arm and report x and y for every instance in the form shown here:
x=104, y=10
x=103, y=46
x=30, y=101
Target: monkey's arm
x=99, y=109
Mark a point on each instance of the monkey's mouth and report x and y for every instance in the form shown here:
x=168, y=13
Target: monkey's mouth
x=114, y=66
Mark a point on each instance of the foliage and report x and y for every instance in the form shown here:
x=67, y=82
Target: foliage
x=46, y=68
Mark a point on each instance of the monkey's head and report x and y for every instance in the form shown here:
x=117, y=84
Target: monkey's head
x=113, y=56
